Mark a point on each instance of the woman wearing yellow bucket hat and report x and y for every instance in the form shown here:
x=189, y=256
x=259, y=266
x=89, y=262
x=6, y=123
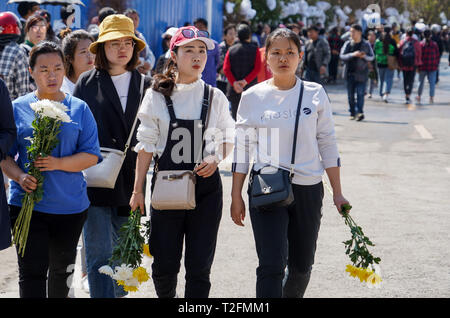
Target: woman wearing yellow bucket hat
x=112, y=91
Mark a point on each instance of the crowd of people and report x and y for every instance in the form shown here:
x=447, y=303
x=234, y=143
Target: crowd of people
x=236, y=84
x=388, y=50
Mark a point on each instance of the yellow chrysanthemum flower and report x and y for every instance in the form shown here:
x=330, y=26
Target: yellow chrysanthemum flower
x=130, y=288
x=120, y=282
x=363, y=274
x=141, y=274
x=352, y=270
x=374, y=280
x=146, y=250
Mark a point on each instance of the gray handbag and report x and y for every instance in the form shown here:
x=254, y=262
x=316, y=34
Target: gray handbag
x=104, y=174
x=271, y=190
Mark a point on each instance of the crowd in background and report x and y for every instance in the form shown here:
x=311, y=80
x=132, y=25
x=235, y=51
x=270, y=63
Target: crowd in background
x=321, y=48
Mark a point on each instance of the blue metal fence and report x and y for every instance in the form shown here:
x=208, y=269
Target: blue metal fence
x=156, y=16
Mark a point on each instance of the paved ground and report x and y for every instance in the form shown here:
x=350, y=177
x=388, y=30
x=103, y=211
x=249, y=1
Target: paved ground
x=396, y=174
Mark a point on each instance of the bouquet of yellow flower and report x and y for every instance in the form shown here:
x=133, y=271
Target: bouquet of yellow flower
x=364, y=264
x=49, y=115
x=128, y=252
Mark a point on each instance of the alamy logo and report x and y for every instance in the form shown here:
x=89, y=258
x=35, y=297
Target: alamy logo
x=307, y=110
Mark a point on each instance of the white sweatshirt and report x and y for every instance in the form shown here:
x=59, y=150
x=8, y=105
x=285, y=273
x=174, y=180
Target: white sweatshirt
x=187, y=103
x=265, y=130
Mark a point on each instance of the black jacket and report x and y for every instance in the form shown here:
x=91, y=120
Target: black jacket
x=96, y=88
x=7, y=137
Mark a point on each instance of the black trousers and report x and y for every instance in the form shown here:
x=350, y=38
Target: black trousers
x=198, y=228
x=333, y=66
x=234, y=99
x=51, y=247
x=286, y=237
x=408, y=81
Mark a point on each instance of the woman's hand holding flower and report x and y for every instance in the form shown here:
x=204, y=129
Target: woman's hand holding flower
x=48, y=163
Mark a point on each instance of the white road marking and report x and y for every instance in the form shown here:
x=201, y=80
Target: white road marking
x=423, y=132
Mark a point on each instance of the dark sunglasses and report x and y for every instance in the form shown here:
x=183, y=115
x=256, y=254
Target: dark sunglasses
x=189, y=33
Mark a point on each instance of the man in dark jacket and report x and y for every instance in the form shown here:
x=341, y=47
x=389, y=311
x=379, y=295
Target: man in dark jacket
x=317, y=56
x=241, y=66
x=356, y=53
x=7, y=138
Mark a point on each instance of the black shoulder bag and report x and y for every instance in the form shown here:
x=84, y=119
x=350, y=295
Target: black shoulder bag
x=271, y=190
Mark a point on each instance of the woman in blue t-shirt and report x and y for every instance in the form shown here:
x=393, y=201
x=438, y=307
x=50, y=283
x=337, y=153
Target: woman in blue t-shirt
x=58, y=218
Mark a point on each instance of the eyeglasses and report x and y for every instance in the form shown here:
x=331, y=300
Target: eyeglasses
x=116, y=45
x=190, y=33
x=38, y=27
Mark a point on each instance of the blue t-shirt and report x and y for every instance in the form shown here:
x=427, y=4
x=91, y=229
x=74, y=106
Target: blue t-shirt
x=64, y=192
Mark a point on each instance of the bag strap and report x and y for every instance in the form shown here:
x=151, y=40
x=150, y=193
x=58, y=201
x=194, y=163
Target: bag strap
x=208, y=94
x=141, y=92
x=294, y=146
x=207, y=102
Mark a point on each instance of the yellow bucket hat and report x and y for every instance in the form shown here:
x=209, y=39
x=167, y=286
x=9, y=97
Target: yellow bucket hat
x=114, y=27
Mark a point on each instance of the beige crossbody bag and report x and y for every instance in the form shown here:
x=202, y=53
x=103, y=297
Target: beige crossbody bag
x=175, y=189
x=104, y=174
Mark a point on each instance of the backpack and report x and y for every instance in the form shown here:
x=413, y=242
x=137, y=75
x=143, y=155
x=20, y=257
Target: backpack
x=408, y=54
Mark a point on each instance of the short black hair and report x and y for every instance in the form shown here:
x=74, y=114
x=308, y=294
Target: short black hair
x=244, y=32
x=228, y=27
x=44, y=47
x=130, y=11
x=409, y=31
x=201, y=20
x=24, y=7
x=104, y=12
x=313, y=28
x=356, y=27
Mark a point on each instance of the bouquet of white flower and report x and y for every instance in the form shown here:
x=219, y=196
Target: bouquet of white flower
x=49, y=115
x=128, y=252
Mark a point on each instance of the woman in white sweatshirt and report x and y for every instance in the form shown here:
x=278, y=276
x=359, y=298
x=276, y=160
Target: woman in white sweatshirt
x=170, y=117
x=285, y=236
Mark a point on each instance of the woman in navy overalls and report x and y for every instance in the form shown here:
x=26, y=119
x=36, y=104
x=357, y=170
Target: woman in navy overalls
x=173, y=122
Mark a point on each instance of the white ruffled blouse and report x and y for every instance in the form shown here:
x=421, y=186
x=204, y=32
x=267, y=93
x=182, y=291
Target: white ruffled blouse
x=187, y=103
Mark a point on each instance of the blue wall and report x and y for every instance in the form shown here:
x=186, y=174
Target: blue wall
x=156, y=16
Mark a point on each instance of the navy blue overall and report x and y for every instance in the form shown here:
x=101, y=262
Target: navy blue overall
x=197, y=227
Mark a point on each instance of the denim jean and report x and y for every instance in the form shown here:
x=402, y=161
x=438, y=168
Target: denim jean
x=386, y=75
x=431, y=79
x=285, y=240
x=358, y=88
x=100, y=235
x=372, y=84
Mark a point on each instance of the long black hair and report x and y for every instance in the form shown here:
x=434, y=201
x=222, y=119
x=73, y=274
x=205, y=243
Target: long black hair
x=69, y=45
x=164, y=83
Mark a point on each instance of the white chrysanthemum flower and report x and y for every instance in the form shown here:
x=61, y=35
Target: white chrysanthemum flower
x=107, y=270
x=123, y=272
x=51, y=109
x=377, y=269
x=132, y=282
